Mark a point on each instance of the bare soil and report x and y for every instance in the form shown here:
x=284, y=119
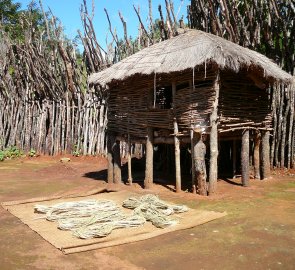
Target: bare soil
x=257, y=233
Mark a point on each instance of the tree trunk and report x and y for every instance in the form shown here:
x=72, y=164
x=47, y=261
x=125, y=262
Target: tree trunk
x=265, y=162
x=177, y=158
x=234, y=158
x=291, y=129
x=129, y=157
x=110, y=144
x=194, y=189
x=199, y=168
x=176, y=144
x=245, y=158
x=148, y=181
x=117, y=163
x=214, y=140
x=257, y=141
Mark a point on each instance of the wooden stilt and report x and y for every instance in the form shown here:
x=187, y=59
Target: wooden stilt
x=176, y=146
x=129, y=158
x=117, y=163
x=194, y=188
x=265, y=161
x=245, y=158
x=199, y=151
x=256, y=155
x=214, y=140
x=110, y=143
x=148, y=181
x=234, y=158
x=149, y=151
x=177, y=158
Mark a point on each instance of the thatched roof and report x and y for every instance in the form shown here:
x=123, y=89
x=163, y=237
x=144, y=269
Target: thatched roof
x=189, y=50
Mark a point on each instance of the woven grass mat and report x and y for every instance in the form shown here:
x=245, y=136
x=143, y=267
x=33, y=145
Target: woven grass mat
x=67, y=243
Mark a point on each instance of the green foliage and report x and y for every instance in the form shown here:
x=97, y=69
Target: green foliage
x=18, y=23
x=9, y=12
x=9, y=16
x=76, y=151
x=11, y=152
x=11, y=70
x=32, y=153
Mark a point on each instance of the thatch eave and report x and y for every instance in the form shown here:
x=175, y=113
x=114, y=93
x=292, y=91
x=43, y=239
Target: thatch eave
x=191, y=50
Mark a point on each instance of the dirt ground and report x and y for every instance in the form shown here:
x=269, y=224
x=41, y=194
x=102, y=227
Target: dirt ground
x=257, y=233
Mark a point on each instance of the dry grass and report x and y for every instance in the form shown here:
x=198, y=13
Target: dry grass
x=187, y=51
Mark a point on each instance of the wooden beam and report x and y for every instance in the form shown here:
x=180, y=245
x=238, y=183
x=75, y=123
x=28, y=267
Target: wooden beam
x=148, y=181
x=234, y=158
x=194, y=188
x=199, y=168
x=170, y=140
x=245, y=158
x=149, y=160
x=110, y=144
x=265, y=160
x=117, y=163
x=256, y=155
x=129, y=159
x=176, y=145
x=177, y=158
x=213, y=171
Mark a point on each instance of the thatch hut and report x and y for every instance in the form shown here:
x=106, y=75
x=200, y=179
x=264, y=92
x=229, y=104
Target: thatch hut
x=194, y=80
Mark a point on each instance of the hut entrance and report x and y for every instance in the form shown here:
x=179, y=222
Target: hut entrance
x=164, y=165
x=229, y=162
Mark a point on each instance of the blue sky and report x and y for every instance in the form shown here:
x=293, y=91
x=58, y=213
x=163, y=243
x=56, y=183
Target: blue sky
x=69, y=14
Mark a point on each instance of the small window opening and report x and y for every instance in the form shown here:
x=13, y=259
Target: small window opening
x=164, y=97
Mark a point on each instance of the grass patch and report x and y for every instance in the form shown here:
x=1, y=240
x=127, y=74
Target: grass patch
x=281, y=195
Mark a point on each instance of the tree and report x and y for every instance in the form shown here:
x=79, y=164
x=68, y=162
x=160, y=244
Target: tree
x=9, y=12
x=9, y=16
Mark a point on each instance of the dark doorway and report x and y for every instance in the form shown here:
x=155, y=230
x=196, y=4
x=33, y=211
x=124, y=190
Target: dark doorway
x=228, y=165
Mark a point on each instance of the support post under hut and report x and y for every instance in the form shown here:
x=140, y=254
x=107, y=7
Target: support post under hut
x=213, y=170
x=265, y=159
x=110, y=144
x=176, y=145
x=245, y=158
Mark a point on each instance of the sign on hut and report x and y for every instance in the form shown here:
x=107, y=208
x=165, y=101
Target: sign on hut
x=182, y=89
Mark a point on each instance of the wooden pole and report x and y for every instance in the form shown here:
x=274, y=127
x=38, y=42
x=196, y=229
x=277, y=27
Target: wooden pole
x=214, y=140
x=149, y=161
x=194, y=189
x=245, y=158
x=177, y=158
x=199, y=163
x=256, y=155
x=265, y=161
x=129, y=158
x=117, y=163
x=148, y=181
x=110, y=143
x=234, y=158
x=176, y=145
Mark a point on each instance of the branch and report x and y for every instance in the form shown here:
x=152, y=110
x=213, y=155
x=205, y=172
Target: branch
x=142, y=26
